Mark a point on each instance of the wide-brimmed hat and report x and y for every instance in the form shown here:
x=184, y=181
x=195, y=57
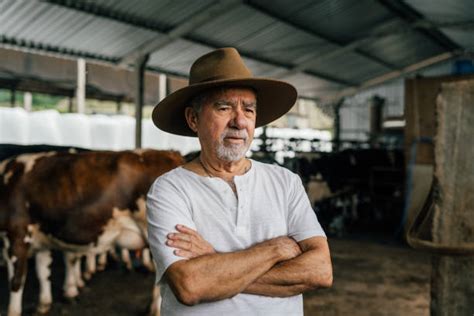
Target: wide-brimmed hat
x=221, y=68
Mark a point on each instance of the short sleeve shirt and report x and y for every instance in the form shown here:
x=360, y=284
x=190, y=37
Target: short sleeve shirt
x=270, y=202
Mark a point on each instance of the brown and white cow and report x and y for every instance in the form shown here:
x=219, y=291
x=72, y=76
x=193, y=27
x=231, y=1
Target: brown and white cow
x=79, y=203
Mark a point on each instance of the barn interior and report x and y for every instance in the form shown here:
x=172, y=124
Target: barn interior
x=381, y=133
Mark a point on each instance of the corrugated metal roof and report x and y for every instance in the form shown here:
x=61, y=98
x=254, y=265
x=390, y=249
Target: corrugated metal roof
x=39, y=22
x=444, y=11
x=452, y=16
x=311, y=86
x=260, y=34
x=178, y=56
x=311, y=43
x=350, y=67
x=337, y=19
x=403, y=49
x=162, y=14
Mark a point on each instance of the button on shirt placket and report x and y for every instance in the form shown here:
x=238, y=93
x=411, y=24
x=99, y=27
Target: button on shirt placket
x=240, y=227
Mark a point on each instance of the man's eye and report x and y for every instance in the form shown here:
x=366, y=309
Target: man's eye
x=223, y=108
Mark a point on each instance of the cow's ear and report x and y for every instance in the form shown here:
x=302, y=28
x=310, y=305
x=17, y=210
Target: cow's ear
x=191, y=118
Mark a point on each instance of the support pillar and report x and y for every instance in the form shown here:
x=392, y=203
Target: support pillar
x=452, y=281
x=28, y=101
x=337, y=125
x=140, y=67
x=12, y=98
x=163, y=89
x=70, y=106
x=81, y=85
x=119, y=107
x=376, y=118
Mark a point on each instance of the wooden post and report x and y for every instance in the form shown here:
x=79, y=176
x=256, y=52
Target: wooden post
x=337, y=125
x=376, y=118
x=140, y=76
x=70, y=106
x=28, y=101
x=81, y=86
x=119, y=107
x=452, y=282
x=12, y=97
x=162, y=88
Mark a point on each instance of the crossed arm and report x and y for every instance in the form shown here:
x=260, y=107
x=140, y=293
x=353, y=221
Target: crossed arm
x=276, y=267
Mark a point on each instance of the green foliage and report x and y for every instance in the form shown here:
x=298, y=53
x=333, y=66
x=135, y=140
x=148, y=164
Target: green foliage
x=4, y=96
x=40, y=101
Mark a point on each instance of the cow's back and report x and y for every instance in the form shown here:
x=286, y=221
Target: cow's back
x=73, y=196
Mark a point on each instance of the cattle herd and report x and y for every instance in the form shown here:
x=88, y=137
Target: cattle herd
x=89, y=203
x=83, y=203
x=355, y=190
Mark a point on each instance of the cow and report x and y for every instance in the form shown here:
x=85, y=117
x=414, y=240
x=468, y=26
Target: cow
x=79, y=203
x=11, y=150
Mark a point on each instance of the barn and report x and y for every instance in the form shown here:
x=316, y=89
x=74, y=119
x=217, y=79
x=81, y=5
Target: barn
x=380, y=138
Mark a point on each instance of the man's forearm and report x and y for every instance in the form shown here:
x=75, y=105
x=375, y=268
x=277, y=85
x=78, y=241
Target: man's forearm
x=217, y=276
x=310, y=270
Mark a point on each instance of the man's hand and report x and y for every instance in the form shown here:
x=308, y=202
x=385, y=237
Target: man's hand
x=188, y=243
x=200, y=279
x=286, y=246
x=312, y=269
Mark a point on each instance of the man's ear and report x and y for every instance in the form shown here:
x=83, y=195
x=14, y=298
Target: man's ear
x=191, y=118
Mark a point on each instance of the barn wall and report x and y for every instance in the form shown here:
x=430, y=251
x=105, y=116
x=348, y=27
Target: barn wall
x=355, y=117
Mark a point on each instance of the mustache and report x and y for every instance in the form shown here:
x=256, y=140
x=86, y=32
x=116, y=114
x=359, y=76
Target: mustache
x=242, y=133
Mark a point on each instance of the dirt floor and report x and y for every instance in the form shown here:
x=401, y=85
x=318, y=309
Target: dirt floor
x=370, y=278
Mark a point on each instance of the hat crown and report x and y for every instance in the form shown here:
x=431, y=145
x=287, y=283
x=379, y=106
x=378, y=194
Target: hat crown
x=221, y=64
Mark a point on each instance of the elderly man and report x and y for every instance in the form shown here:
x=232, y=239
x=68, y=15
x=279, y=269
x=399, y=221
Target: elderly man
x=230, y=235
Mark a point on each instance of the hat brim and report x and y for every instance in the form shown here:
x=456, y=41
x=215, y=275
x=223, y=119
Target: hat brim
x=274, y=99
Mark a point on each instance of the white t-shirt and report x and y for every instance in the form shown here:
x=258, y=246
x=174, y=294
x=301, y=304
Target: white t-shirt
x=271, y=203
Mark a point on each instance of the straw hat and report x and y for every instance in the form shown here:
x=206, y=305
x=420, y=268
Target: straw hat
x=223, y=68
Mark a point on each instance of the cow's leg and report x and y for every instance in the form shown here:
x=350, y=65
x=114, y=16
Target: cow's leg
x=70, y=283
x=102, y=262
x=16, y=256
x=147, y=262
x=43, y=272
x=125, y=255
x=90, y=266
x=156, y=301
x=77, y=272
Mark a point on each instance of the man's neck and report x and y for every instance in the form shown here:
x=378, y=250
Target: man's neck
x=223, y=169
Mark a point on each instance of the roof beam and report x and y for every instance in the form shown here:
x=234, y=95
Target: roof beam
x=409, y=14
x=392, y=75
x=201, y=18
x=100, y=11
x=53, y=50
x=316, y=58
x=320, y=36
x=97, y=10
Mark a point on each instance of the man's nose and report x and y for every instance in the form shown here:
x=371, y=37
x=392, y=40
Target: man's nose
x=239, y=120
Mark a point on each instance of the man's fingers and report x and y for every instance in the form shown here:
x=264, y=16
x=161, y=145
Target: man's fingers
x=179, y=236
x=184, y=253
x=186, y=230
x=180, y=244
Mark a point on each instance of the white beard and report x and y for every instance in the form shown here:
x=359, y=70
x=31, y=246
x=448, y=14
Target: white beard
x=232, y=152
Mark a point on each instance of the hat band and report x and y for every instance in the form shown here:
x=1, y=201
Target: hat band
x=221, y=77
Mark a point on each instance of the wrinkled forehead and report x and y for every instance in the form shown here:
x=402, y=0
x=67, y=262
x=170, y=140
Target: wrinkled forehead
x=248, y=95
